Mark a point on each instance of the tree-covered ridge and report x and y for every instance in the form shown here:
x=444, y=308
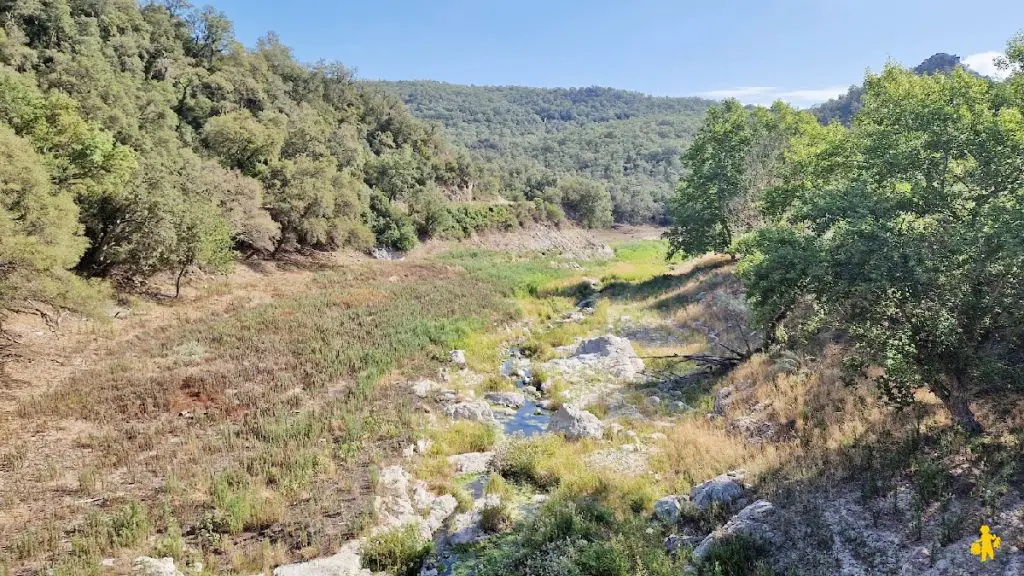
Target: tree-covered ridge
x=627, y=141
x=142, y=138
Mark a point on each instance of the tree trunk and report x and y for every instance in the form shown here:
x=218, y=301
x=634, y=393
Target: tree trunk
x=177, y=282
x=956, y=400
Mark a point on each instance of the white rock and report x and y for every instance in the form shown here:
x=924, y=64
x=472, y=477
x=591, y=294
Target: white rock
x=474, y=410
x=725, y=489
x=146, y=566
x=608, y=345
x=346, y=562
x=575, y=424
x=604, y=358
x=471, y=463
x=458, y=357
x=754, y=521
x=422, y=388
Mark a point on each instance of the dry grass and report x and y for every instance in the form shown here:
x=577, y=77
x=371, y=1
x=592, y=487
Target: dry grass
x=242, y=422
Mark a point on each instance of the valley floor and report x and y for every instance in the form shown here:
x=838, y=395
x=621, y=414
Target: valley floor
x=293, y=410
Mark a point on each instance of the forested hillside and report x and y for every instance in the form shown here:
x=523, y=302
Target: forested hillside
x=626, y=141
x=143, y=138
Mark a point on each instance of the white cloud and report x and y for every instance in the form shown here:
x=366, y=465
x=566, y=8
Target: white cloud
x=766, y=95
x=984, y=63
x=741, y=93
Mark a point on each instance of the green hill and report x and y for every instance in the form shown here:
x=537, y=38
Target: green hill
x=531, y=137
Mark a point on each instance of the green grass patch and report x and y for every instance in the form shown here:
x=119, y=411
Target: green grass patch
x=463, y=436
x=398, y=552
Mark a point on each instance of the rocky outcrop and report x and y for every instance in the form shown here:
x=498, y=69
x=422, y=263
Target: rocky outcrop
x=726, y=490
x=598, y=365
x=458, y=357
x=474, y=410
x=575, y=424
x=754, y=521
x=400, y=502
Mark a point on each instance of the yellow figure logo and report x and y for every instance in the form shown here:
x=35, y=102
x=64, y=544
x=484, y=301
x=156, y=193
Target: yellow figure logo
x=986, y=546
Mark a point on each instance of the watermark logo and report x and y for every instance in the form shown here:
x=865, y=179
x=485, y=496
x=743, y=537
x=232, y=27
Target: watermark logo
x=986, y=545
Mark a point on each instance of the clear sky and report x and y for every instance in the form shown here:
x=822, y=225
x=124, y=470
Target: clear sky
x=801, y=50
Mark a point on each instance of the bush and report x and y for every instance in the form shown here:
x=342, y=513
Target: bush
x=430, y=213
x=735, y=556
x=392, y=228
x=587, y=202
x=399, y=552
x=521, y=460
x=579, y=537
x=496, y=517
x=537, y=350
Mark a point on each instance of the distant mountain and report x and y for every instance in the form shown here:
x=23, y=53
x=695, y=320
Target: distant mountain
x=844, y=108
x=629, y=141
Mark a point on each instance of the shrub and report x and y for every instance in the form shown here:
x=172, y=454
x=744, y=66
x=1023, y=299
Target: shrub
x=399, y=552
x=130, y=526
x=735, y=556
x=537, y=350
x=521, y=460
x=497, y=384
x=496, y=517
x=587, y=202
x=393, y=228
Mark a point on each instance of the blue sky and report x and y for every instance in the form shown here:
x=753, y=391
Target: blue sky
x=800, y=50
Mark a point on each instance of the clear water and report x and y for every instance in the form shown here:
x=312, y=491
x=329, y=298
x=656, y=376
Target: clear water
x=529, y=420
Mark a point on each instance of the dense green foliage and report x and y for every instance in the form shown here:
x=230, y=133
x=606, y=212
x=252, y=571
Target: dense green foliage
x=734, y=159
x=903, y=232
x=843, y=108
x=143, y=138
x=579, y=537
x=530, y=138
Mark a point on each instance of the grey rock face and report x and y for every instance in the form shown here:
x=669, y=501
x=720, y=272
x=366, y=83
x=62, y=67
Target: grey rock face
x=608, y=345
x=458, y=358
x=667, y=509
x=575, y=424
x=754, y=521
x=725, y=489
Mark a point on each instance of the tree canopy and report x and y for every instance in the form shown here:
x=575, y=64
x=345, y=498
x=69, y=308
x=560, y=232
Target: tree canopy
x=903, y=232
x=146, y=138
